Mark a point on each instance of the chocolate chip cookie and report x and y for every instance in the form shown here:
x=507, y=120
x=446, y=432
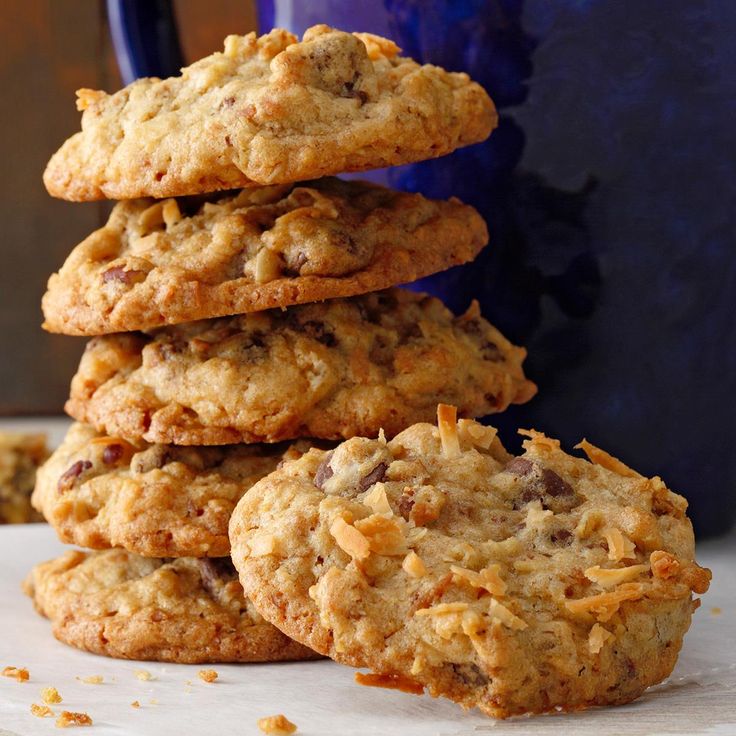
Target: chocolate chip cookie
x=20, y=456
x=165, y=262
x=268, y=110
x=187, y=610
x=337, y=369
x=439, y=561
x=152, y=500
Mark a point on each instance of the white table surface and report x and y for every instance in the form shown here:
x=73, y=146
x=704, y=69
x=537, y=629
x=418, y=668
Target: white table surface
x=321, y=697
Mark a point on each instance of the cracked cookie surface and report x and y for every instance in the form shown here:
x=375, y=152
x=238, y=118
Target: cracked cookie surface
x=152, y=500
x=166, y=262
x=131, y=607
x=268, y=110
x=439, y=561
x=336, y=369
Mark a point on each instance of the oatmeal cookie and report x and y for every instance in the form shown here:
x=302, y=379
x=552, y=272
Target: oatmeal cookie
x=129, y=607
x=268, y=110
x=337, y=369
x=439, y=561
x=165, y=262
x=20, y=456
x=152, y=500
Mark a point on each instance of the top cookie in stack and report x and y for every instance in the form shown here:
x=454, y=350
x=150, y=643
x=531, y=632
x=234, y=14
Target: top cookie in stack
x=268, y=110
x=260, y=314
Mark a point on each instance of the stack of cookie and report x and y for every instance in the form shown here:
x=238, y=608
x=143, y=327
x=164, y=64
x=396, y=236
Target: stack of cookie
x=242, y=310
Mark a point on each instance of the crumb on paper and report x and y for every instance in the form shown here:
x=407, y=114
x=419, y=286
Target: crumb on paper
x=207, y=675
x=67, y=719
x=153, y=701
x=716, y=611
x=50, y=695
x=390, y=682
x=135, y=704
x=278, y=725
x=41, y=711
x=92, y=679
x=20, y=674
x=144, y=675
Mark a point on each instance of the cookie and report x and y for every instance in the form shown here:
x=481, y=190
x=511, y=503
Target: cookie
x=268, y=110
x=165, y=262
x=152, y=500
x=439, y=561
x=20, y=456
x=130, y=607
x=337, y=369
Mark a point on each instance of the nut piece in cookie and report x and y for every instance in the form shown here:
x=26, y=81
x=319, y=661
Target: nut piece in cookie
x=268, y=110
x=335, y=369
x=129, y=607
x=443, y=563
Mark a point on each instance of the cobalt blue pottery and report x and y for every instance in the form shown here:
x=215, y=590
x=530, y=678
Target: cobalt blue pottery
x=609, y=190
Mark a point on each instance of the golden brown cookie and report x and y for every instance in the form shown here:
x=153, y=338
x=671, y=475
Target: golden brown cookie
x=439, y=561
x=173, y=261
x=129, y=607
x=20, y=456
x=152, y=500
x=268, y=110
x=337, y=369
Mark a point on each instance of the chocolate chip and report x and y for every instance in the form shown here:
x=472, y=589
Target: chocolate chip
x=470, y=674
x=376, y=475
x=470, y=326
x=111, y=454
x=316, y=329
x=324, y=471
x=406, y=503
x=118, y=273
x=215, y=571
x=67, y=480
x=561, y=537
x=537, y=483
x=228, y=102
x=489, y=351
x=519, y=466
x=412, y=332
x=528, y=495
x=299, y=261
x=554, y=485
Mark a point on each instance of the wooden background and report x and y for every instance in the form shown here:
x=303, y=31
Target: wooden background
x=48, y=49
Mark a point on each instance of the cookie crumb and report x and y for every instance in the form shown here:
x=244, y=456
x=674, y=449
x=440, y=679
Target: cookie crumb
x=68, y=719
x=153, y=701
x=50, y=695
x=41, y=711
x=278, y=725
x=716, y=611
x=390, y=682
x=135, y=704
x=17, y=673
x=144, y=675
x=91, y=680
x=207, y=675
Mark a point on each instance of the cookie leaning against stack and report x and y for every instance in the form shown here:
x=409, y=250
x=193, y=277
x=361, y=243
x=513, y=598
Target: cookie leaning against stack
x=514, y=584
x=224, y=336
